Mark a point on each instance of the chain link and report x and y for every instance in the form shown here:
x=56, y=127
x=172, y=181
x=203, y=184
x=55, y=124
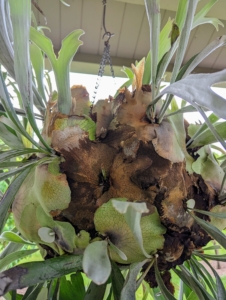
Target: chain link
x=106, y=57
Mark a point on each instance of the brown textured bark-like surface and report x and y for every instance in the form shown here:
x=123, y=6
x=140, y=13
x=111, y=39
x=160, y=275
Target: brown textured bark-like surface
x=137, y=160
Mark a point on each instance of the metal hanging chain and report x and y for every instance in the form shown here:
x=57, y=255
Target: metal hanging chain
x=106, y=57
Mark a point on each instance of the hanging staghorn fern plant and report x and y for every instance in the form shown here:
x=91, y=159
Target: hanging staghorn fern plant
x=124, y=184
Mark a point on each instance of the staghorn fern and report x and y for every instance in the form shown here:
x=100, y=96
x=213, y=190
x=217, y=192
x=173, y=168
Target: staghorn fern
x=110, y=187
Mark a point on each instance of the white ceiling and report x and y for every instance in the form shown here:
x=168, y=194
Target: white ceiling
x=127, y=20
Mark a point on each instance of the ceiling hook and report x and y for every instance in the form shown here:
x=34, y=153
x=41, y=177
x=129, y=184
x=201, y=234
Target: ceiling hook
x=109, y=35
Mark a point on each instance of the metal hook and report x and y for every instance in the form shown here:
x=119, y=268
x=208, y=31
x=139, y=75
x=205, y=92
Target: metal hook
x=107, y=33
